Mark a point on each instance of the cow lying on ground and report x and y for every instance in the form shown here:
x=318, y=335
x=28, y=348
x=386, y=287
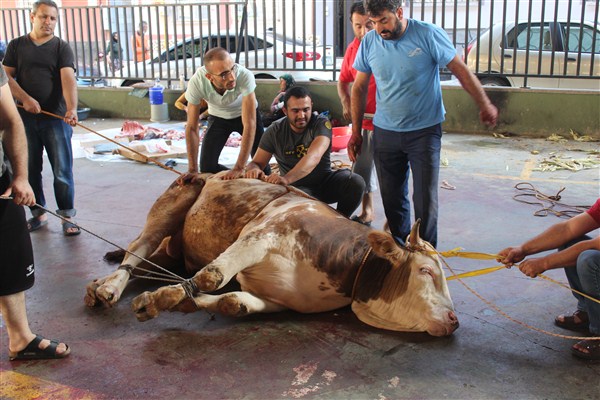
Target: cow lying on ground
x=287, y=251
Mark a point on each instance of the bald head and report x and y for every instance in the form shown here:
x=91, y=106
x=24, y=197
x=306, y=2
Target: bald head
x=216, y=54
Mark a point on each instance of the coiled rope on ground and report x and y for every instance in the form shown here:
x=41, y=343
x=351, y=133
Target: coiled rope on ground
x=549, y=204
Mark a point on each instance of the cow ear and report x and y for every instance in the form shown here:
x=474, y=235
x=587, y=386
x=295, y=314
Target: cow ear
x=385, y=246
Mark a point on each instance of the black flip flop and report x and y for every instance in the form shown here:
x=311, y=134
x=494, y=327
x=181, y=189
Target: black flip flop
x=33, y=224
x=33, y=352
x=69, y=225
x=358, y=219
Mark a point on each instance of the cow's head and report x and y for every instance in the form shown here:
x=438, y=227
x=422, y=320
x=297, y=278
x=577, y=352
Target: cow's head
x=413, y=295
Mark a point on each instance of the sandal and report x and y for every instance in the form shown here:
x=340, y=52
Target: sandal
x=578, y=321
x=33, y=352
x=592, y=350
x=70, y=229
x=358, y=219
x=33, y=224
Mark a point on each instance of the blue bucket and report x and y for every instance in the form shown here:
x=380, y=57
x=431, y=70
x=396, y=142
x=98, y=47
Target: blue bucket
x=156, y=95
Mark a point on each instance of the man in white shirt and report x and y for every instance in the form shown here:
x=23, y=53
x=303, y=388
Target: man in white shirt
x=228, y=88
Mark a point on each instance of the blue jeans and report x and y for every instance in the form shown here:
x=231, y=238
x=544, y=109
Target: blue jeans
x=585, y=277
x=55, y=136
x=396, y=155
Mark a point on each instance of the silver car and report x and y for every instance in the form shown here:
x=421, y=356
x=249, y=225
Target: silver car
x=552, y=54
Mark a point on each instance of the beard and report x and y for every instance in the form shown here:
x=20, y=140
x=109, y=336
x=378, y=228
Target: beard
x=395, y=33
x=299, y=123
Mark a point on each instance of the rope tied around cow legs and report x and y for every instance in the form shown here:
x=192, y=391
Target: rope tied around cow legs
x=190, y=288
x=165, y=275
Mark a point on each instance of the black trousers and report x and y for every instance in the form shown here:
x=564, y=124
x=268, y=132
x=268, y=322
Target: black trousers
x=16, y=254
x=216, y=136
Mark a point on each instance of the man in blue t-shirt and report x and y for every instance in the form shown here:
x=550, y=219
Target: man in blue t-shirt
x=301, y=144
x=404, y=56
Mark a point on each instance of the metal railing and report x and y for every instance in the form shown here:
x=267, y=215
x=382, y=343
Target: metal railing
x=267, y=36
x=307, y=38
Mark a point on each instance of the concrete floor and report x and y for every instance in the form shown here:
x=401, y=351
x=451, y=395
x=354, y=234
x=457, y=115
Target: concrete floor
x=321, y=356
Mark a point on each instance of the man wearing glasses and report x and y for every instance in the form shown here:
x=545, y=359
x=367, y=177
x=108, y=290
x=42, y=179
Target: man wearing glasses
x=228, y=88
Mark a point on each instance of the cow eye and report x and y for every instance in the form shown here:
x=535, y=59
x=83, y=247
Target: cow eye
x=426, y=271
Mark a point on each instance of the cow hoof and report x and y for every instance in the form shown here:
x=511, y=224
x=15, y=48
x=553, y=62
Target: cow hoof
x=144, y=307
x=108, y=295
x=230, y=305
x=90, y=298
x=210, y=278
x=91, y=301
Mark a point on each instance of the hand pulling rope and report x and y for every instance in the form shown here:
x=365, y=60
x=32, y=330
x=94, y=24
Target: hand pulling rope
x=167, y=276
x=113, y=141
x=486, y=256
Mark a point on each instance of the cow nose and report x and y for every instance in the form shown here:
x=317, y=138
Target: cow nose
x=452, y=317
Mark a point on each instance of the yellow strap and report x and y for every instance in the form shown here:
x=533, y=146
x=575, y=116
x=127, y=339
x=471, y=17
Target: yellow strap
x=486, y=256
x=475, y=273
x=467, y=254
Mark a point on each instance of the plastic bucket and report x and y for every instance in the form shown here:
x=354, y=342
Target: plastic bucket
x=156, y=95
x=340, y=136
x=159, y=112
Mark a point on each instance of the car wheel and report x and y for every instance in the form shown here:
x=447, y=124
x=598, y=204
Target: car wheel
x=493, y=81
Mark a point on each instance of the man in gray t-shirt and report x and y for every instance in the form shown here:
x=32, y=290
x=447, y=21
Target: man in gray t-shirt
x=301, y=144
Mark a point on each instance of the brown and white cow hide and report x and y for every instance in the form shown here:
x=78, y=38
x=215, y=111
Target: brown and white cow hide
x=287, y=251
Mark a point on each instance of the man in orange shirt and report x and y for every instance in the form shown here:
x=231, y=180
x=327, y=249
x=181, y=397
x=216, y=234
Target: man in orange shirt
x=140, y=43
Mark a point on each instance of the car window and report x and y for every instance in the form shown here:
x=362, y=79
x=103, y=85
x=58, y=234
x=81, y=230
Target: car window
x=579, y=38
x=229, y=43
x=533, y=37
x=185, y=50
x=261, y=44
x=198, y=48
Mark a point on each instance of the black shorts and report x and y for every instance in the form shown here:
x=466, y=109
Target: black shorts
x=16, y=254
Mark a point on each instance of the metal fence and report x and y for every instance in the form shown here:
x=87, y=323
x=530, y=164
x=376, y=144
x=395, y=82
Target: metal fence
x=267, y=36
x=307, y=38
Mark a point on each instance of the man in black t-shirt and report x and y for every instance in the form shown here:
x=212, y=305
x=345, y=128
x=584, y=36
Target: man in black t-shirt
x=41, y=73
x=301, y=144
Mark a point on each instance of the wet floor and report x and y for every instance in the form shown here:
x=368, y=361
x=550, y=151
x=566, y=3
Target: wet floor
x=321, y=356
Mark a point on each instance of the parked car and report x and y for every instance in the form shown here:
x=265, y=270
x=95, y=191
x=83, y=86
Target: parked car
x=267, y=58
x=538, y=50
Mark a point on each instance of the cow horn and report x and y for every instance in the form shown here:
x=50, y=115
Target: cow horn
x=414, y=239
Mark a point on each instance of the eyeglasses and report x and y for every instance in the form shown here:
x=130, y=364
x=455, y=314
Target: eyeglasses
x=225, y=75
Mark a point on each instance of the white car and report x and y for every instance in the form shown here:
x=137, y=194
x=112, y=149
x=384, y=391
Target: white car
x=266, y=58
x=546, y=53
